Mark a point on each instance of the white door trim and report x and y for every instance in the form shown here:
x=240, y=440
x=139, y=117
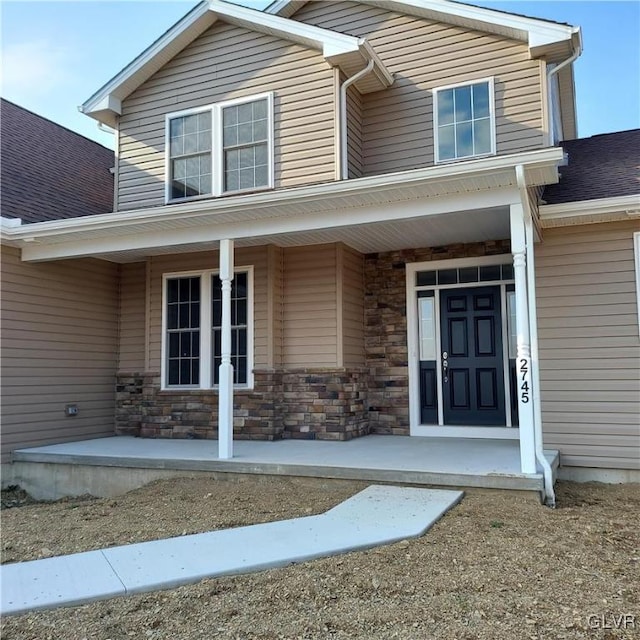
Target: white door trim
x=441, y=430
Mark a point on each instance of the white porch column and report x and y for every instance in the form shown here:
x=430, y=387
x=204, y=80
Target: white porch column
x=523, y=359
x=225, y=385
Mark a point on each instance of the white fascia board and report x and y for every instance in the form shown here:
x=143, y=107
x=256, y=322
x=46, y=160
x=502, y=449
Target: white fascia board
x=537, y=33
x=10, y=223
x=385, y=76
x=109, y=103
x=211, y=232
x=584, y=211
x=331, y=43
x=6, y=226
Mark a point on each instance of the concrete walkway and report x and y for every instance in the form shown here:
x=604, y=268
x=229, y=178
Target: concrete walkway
x=378, y=515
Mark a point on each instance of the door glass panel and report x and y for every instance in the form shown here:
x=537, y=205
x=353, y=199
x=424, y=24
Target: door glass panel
x=425, y=278
x=485, y=337
x=427, y=328
x=511, y=324
x=458, y=336
x=468, y=274
x=447, y=276
x=507, y=272
x=490, y=272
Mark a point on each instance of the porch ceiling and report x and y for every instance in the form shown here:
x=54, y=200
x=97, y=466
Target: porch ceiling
x=430, y=231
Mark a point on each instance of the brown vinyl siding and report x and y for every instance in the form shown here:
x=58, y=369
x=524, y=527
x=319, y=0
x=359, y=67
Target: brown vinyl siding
x=59, y=346
x=132, y=317
x=201, y=261
x=397, y=126
x=297, y=306
x=310, y=307
x=589, y=344
x=228, y=62
x=354, y=132
x=352, y=307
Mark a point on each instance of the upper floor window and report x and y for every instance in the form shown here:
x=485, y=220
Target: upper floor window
x=464, y=121
x=220, y=149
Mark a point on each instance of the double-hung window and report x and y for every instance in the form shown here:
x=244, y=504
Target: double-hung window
x=464, y=121
x=220, y=149
x=192, y=329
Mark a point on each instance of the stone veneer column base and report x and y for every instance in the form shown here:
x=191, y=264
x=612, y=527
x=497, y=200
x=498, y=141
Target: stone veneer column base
x=305, y=403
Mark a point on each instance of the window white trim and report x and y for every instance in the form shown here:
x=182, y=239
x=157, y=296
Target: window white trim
x=206, y=329
x=217, y=150
x=636, y=254
x=492, y=119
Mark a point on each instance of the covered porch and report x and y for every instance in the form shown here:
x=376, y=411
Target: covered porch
x=108, y=466
x=333, y=357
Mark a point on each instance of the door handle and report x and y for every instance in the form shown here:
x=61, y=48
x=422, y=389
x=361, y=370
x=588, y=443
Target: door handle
x=445, y=367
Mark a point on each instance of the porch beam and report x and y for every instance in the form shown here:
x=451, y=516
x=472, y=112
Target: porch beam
x=206, y=230
x=523, y=359
x=225, y=385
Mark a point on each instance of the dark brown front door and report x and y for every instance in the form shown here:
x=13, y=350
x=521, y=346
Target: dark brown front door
x=471, y=358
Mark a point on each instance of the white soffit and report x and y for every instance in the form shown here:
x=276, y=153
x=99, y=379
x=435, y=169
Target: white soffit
x=347, y=52
x=439, y=230
x=590, y=211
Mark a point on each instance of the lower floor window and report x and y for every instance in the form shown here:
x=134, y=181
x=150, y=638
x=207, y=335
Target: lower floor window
x=193, y=329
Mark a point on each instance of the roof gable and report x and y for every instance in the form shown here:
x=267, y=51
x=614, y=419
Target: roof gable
x=49, y=172
x=340, y=50
x=553, y=40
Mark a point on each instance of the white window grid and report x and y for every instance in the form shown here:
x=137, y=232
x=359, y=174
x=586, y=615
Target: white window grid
x=217, y=150
x=492, y=122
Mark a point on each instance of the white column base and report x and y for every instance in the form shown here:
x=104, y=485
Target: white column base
x=225, y=412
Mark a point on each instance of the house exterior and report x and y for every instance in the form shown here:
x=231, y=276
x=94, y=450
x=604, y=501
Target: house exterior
x=332, y=219
x=59, y=320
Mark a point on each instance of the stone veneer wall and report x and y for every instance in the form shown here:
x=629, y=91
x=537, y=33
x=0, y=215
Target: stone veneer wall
x=326, y=404
x=335, y=404
x=386, y=328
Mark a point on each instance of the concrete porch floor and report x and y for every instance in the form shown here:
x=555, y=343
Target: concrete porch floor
x=453, y=462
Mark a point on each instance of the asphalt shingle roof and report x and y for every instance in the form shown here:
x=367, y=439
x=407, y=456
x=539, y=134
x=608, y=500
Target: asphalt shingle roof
x=603, y=166
x=48, y=172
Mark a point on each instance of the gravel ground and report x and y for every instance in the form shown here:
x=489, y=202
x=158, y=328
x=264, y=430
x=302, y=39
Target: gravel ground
x=497, y=566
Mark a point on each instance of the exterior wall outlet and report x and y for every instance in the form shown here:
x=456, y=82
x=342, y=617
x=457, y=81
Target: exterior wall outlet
x=71, y=410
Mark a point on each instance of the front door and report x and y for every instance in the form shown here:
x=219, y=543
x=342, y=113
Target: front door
x=472, y=356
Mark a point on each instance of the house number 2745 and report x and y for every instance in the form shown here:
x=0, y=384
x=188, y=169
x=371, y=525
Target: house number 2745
x=523, y=377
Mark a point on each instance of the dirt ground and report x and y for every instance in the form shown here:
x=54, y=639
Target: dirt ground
x=497, y=566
